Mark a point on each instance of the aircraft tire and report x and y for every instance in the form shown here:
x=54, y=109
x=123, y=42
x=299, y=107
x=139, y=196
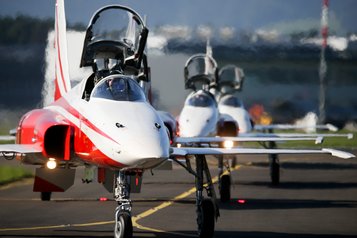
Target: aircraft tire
x=206, y=228
x=225, y=188
x=123, y=225
x=275, y=173
x=46, y=196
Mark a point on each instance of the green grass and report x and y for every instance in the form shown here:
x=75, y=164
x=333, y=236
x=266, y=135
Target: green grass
x=329, y=142
x=9, y=174
x=333, y=142
x=6, y=142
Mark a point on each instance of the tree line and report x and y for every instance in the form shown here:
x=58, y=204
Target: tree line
x=25, y=30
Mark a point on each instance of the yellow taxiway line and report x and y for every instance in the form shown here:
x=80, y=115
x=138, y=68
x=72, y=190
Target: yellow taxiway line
x=135, y=219
x=163, y=205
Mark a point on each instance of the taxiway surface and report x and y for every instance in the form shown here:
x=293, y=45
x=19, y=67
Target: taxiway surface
x=317, y=198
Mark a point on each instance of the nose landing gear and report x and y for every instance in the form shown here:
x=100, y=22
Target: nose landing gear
x=123, y=224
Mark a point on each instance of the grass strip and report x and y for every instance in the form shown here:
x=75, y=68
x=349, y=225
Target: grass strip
x=9, y=174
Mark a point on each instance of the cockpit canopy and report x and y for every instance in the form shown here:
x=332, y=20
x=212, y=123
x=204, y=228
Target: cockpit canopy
x=201, y=99
x=114, y=32
x=200, y=69
x=231, y=101
x=230, y=79
x=119, y=88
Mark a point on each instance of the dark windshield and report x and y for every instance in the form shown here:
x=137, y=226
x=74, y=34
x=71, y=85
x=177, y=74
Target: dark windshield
x=200, y=100
x=231, y=101
x=118, y=88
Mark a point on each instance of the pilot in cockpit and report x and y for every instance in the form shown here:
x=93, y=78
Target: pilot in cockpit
x=118, y=89
x=105, y=67
x=102, y=68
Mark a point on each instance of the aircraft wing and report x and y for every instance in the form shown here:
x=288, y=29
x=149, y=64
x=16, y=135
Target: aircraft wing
x=11, y=136
x=184, y=151
x=262, y=138
x=287, y=135
x=7, y=138
x=329, y=127
x=9, y=151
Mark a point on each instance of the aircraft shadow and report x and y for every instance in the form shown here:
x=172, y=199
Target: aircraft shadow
x=252, y=234
x=235, y=234
x=258, y=204
x=300, y=185
x=109, y=235
x=178, y=234
x=308, y=165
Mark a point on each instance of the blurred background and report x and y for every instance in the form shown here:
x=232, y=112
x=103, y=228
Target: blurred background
x=276, y=42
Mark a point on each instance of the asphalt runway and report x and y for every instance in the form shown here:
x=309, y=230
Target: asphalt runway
x=317, y=198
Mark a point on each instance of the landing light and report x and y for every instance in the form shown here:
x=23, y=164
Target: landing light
x=51, y=163
x=178, y=145
x=228, y=144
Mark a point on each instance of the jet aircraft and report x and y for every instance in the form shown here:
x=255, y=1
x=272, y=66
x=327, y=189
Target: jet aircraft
x=229, y=82
x=213, y=109
x=106, y=122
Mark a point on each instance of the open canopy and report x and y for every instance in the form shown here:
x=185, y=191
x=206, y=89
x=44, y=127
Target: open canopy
x=200, y=70
x=114, y=32
x=230, y=79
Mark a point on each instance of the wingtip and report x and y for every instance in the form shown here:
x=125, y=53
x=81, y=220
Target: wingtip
x=331, y=127
x=319, y=140
x=339, y=153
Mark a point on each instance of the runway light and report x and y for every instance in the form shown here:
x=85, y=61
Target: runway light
x=241, y=201
x=51, y=163
x=228, y=144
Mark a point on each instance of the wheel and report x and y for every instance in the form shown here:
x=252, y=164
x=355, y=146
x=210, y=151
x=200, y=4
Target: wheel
x=123, y=225
x=206, y=219
x=274, y=172
x=46, y=196
x=225, y=188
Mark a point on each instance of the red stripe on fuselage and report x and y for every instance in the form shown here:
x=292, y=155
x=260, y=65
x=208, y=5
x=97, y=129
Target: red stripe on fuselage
x=96, y=156
x=65, y=105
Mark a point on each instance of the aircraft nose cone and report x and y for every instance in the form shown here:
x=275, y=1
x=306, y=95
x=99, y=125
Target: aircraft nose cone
x=193, y=130
x=145, y=152
x=198, y=122
x=148, y=148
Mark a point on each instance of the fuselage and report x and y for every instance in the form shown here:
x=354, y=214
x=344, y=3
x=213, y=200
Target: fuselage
x=231, y=108
x=105, y=130
x=199, y=116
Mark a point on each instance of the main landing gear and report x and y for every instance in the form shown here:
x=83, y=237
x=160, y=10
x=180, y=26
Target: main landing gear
x=123, y=224
x=224, y=181
x=46, y=196
x=274, y=169
x=274, y=165
x=206, y=208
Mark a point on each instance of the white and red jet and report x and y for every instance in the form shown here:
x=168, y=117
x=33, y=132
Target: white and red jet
x=213, y=109
x=106, y=121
